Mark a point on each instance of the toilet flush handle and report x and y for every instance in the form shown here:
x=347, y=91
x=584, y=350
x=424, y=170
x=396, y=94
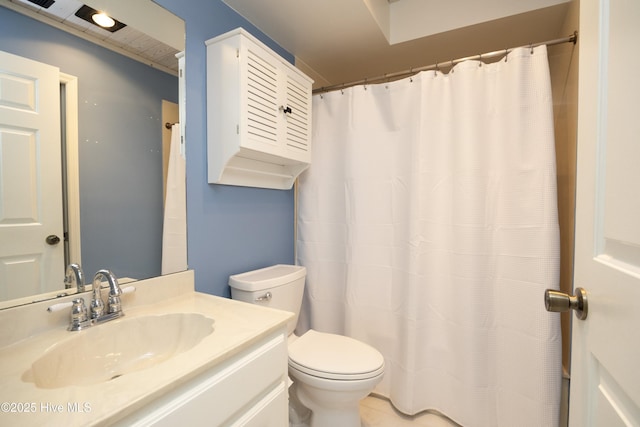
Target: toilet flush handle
x=265, y=297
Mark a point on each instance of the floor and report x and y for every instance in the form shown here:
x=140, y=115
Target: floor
x=378, y=412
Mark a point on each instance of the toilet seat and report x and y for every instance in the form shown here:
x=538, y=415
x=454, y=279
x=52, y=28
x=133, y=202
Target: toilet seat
x=334, y=357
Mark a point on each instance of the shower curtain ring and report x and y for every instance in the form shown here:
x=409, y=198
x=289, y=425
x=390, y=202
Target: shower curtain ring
x=531, y=47
x=451, y=66
x=435, y=72
x=480, y=58
x=506, y=55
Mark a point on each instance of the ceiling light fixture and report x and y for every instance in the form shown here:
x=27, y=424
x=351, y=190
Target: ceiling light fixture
x=103, y=20
x=100, y=19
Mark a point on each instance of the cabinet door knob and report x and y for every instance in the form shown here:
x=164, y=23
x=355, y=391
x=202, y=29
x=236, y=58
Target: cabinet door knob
x=286, y=110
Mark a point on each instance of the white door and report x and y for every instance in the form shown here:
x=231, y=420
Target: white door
x=30, y=178
x=605, y=364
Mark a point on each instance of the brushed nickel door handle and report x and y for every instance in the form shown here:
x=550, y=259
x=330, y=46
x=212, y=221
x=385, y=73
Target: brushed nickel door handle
x=559, y=302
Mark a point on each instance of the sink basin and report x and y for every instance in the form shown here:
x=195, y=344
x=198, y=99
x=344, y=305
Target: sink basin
x=110, y=350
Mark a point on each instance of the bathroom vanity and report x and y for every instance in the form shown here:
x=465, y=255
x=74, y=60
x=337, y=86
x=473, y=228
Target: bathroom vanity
x=176, y=357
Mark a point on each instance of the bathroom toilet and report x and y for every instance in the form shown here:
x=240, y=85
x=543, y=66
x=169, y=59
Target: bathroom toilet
x=330, y=373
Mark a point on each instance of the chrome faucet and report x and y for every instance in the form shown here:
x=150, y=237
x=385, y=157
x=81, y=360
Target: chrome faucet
x=81, y=317
x=73, y=274
x=114, y=306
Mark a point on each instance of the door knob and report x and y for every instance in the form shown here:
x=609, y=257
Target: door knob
x=560, y=302
x=52, y=239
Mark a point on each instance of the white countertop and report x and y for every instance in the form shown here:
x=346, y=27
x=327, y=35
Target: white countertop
x=27, y=332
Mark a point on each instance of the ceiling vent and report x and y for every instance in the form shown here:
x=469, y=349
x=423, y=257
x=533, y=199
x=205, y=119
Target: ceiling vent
x=43, y=3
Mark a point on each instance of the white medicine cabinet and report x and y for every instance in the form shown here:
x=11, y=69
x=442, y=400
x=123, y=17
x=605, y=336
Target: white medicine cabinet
x=258, y=114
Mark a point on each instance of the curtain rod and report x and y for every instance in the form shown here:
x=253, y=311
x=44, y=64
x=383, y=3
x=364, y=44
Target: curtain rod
x=571, y=39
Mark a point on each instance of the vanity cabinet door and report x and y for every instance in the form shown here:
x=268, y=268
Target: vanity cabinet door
x=241, y=391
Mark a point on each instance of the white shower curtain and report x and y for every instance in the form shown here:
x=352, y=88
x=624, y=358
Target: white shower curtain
x=174, y=235
x=428, y=225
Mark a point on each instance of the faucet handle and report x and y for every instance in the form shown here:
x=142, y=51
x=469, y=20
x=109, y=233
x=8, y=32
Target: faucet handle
x=114, y=304
x=97, y=305
x=78, y=310
x=79, y=315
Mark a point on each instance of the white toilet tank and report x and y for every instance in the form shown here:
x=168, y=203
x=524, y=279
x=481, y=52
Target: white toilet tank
x=280, y=286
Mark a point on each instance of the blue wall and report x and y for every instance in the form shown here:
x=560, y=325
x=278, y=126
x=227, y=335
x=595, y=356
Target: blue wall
x=230, y=229
x=120, y=144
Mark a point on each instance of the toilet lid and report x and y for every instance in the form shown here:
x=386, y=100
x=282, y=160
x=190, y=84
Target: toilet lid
x=334, y=357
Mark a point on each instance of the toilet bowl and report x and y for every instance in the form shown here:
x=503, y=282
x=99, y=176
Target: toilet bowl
x=330, y=373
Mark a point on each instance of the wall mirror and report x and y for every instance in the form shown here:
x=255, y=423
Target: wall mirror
x=124, y=84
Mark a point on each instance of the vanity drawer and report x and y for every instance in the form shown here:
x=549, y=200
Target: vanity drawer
x=239, y=386
x=268, y=412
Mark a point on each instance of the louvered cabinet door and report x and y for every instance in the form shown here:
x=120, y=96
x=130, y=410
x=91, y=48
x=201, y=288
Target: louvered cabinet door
x=277, y=103
x=298, y=118
x=261, y=100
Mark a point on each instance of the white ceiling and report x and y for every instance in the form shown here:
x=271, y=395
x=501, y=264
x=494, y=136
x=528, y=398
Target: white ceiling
x=338, y=41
